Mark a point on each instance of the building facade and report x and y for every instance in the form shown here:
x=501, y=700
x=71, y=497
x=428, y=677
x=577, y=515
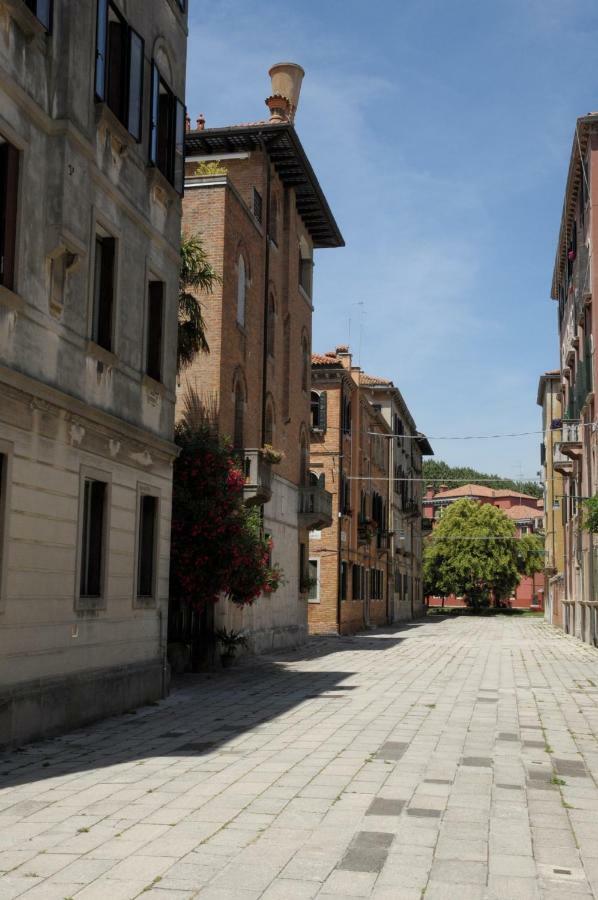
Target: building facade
x=91, y=126
x=526, y=513
x=251, y=193
x=575, y=440
x=553, y=462
x=365, y=567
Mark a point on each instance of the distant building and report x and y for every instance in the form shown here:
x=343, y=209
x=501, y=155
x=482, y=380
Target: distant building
x=91, y=152
x=575, y=440
x=252, y=194
x=554, y=463
x=525, y=512
x=366, y=566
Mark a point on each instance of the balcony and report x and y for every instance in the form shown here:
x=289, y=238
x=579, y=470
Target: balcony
x=315, y=507
x=258, y=478
x=412, y=509
x=366, y=529
x=560, y=462
x=382, y=541
x=571, y=441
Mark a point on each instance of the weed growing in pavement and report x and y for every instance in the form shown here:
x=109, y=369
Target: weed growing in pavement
x=555, y=780
x=82, y=830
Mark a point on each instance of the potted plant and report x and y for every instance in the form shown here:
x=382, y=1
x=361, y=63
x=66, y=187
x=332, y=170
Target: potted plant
x=271, y=455
x=230, y=641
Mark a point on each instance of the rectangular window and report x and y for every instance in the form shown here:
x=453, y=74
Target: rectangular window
x=357, y=583
x=92, y=538
x=305, y=274
x=146, y=557
x=9, y=182
x=257, y=205
x=103, y=291
x=167, y=132
x=313, y=594
x=155, y=317
x=42, y=10
x=344, y=566
x=119, y=66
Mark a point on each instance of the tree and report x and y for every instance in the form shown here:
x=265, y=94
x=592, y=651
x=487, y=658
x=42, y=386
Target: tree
x=437, y=472
x=197, y=274
x=474, y=553
x=218, y=547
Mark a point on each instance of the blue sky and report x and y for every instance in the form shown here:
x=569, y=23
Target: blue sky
x=440, y=131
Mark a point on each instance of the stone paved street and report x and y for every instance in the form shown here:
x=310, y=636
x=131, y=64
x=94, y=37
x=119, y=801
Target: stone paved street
x=449, y=759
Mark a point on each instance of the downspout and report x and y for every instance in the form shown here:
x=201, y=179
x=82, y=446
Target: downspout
x=266, y=284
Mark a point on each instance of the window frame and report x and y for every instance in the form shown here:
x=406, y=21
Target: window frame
x=102, y=72
x=173, y=168
x=148, y=322
x=101, y=232
x=310, y=562
x=145, y=601
x=91, y=603
x=9, y=215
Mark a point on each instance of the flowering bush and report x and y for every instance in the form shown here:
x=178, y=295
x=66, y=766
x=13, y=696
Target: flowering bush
x=217, y=543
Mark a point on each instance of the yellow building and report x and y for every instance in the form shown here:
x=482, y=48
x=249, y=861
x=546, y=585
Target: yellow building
x=554, y=464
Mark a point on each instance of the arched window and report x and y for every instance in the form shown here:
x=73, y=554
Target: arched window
x=241, y=290
x=305, y=363
x=239, y=424
x=270, y=325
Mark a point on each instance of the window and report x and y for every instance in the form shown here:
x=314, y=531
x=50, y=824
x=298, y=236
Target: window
x=146, y=552
x=346, y=416
x=167, y=131
x=344, y=567
x=305, y=363
x=313, y=590
x=241, y=290
x=257, y=205
x=155, y=316
x=270, y=326
x=239, y=424
x=92, y=538
x=305, y=268
x=103, y=291
x=345, y=495
x=318, y=408
x=286, y=350
x=273, y=223
x=42, y=10
x=357, y=583
x=119, y=67
x=9, y=178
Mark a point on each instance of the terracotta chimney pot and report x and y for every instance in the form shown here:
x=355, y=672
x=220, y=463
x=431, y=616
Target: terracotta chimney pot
x=286, y=81
x=201, y=122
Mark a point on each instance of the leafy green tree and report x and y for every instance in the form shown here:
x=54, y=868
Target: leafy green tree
x=474, y=553
x=437, y=472
x=197, y=274
x=590, y=514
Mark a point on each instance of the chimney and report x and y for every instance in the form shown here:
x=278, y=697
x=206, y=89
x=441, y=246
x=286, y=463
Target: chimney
x=286, y=86
x=344, y=354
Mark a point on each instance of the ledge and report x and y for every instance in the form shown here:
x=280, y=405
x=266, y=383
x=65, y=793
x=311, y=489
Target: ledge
x=11, y=300
x=107, y=357
x=163, y=192
x=105, y=118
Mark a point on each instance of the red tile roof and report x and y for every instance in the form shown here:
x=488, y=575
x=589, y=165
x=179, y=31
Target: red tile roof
x=373, y=379
x=325, y=359
x=523, y=512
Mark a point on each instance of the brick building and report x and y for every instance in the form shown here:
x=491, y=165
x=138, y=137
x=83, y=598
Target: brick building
x=253, y=195
x=527, y=514
x=366, y=562
x=575, y=439
x=91, y=150
x=553, y=463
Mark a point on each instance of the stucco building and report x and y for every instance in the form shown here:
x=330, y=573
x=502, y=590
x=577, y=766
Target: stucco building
x=576, y=437
x=366, y=566
x=526, y=513
x=553, y=464
x=252, y=194
x=91, y=144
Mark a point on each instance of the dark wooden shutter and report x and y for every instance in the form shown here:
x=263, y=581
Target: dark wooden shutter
x=165, y=129
x=101, y=49
x=92, y=537
x=135, y=89
x=106, y=294
x=116, y=66
x=154, y=107
x=9, y=186
x=146, y=558
x=154, y=329
x=323, y=411
x=179, y=146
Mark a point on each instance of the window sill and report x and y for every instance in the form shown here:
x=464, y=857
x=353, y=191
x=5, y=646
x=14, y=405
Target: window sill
x=144, y=603
x=28, y=23
x=109, y=121
x=11, y=300
x=162, y=190
x=107, y=357
x=153, y=385
x=90, y=604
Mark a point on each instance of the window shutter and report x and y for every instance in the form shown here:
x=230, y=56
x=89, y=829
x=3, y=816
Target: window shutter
x=135, y=98
x=43, y=11
x=322, y=411
x=154, y=107
x=9, y=185
x=154, y=329
x=101, y=49
x=179, y=147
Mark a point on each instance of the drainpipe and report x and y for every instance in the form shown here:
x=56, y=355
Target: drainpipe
x=266, y=284
x=339, y=516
